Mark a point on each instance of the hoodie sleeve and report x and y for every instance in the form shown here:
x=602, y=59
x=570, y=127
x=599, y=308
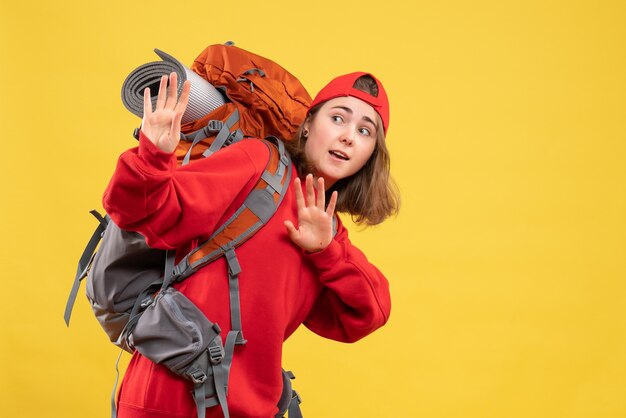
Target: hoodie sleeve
x=355, y=299
x=172, y=205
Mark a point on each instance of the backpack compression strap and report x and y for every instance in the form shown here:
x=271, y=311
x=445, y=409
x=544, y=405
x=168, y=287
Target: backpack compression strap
x=225, y=136
x=85, y=262
x=289, y=400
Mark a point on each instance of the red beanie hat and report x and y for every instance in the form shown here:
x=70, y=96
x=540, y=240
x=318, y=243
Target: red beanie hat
x=343, y=86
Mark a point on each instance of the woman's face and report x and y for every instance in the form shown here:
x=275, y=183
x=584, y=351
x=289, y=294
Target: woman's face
x=342, y=137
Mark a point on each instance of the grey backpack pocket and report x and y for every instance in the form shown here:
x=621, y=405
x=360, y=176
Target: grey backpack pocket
x=174, y=332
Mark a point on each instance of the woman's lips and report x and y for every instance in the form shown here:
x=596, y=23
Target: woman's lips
x=339, y=154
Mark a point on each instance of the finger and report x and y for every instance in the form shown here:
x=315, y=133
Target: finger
x=162, y=93
x=299, y=196
x=184, y=97
x=147, y=103
x=172, y=91
x=291, y=230
x=330, y=210
x=175, y=129
x=310, y=193
x=321, y=196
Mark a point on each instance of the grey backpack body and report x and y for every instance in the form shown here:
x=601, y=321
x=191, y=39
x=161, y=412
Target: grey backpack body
x=123, y=269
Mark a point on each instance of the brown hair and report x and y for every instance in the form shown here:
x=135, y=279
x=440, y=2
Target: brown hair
x=370, y=195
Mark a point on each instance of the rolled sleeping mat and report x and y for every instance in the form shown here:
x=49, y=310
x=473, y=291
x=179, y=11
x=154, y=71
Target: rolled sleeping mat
x=203, y=97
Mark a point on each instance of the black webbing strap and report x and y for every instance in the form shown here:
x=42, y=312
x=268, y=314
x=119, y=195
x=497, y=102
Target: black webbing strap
x=233, y=289
x=143, y=300
x=85, y=261
x=117, y=379
x=199, y=399
x=222, y=137
x=168, y=274
x=219, y=376
x=210, y=374
x=289, y=401
x=201, y=372
x=225, y=136
x=294, y=406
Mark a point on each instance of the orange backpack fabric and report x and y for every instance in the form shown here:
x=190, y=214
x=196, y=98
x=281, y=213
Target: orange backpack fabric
x=270, y=100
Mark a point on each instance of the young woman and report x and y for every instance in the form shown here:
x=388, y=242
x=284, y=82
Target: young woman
x=294, y=270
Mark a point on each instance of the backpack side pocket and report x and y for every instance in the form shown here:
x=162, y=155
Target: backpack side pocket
x=173, y=332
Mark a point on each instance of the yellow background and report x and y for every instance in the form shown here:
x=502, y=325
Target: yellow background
x=507, y=262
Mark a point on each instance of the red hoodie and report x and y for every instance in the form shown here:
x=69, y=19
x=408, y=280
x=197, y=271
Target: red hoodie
x=336, y=292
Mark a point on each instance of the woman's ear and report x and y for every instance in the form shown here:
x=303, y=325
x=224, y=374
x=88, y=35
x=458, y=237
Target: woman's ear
x=306, y=126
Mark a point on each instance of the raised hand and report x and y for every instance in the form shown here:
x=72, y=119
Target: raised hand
x=162, y=125
x=315, y=222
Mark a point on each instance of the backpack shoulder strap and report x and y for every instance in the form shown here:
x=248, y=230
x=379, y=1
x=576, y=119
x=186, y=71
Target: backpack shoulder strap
x=256, y=210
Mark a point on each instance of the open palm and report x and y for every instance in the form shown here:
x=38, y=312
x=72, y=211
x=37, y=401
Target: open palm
x=315, y=221
x=162, y=125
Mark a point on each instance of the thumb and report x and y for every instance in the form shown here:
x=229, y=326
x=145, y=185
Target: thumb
x=291, y=230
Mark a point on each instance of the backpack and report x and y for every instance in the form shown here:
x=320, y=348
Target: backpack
x=129, y=283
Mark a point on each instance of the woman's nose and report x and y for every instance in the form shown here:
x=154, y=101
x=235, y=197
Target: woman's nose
x=347, y=136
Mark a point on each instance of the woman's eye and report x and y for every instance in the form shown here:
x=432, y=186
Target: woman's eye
x=337, y=118
x=364, y=131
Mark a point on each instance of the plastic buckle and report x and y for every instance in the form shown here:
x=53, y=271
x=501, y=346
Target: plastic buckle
x=181, y=271
x=215, y=125
x=216, y=353
x=234, y=268
x=231, y=138
x=146, y=302
x=198, y=376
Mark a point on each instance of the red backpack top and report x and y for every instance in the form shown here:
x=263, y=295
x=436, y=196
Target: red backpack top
x=270, y=100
